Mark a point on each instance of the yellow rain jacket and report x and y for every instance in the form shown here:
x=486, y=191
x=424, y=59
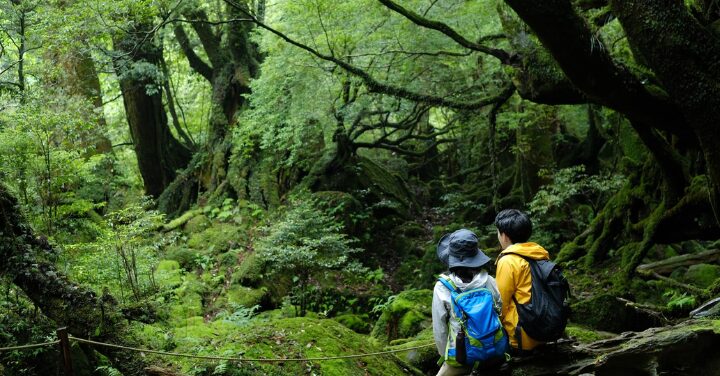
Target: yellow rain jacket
x=513, y=278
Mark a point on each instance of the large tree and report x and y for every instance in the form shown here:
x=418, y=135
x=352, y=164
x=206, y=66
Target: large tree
x=138, y=61
x=230, y=62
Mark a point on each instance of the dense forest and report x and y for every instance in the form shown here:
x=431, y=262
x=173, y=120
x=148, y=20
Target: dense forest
x=267, y=179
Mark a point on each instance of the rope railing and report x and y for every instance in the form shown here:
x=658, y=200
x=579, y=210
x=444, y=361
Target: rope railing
x=31, y=346
x=236, y=359
x=64, y=340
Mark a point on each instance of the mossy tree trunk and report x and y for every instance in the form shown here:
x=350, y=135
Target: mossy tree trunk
x=684, y=54
x=232, y=62
x=137, y=65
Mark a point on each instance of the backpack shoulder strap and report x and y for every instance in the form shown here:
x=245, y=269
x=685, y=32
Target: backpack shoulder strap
x=448, y=283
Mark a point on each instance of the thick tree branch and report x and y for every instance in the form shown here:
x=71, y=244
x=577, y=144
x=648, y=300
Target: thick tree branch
x=504, y=56
x=399, y=150
x=196, y=63
x=370, y=82
x=685, y=55
x=586, y=62
x=210, y=42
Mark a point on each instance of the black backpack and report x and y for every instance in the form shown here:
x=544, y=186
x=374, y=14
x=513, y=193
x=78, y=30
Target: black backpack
x=544, y=318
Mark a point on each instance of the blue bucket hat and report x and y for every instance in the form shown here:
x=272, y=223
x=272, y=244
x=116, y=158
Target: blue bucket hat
x=461, y=249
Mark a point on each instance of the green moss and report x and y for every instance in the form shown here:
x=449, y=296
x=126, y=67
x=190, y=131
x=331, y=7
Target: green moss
x=168, y=274
x=184, y=257
x=702, y=275
x=424, y=358
x=245, y=296
x=406, y=315
x=585, y=335
x=275, y=338
x=196, y=224
x=356, y=323
x=250, y=270
x=219, y=237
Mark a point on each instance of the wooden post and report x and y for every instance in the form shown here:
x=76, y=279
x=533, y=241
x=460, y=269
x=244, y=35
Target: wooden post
x=65, y=350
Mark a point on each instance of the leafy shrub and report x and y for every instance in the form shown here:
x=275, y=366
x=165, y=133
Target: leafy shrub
x=563, y=209
x=305, y=243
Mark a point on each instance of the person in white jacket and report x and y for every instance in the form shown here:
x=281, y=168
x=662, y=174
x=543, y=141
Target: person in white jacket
x=459, y=251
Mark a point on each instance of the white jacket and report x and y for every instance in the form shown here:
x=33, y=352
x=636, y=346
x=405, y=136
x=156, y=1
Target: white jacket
x=442, y=310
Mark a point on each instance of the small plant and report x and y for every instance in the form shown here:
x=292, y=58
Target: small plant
x=679, y=301
x=305, y=243
x=239, y=315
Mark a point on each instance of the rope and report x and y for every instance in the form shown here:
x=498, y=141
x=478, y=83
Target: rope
x=268, y=360
x=24, y=347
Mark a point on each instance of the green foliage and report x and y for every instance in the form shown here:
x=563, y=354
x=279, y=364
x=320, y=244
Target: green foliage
x=563, y=208
x=47, y=164
x=124, y=256
x=679, y=301
x=20, y=324
x=238, y=314
x=305, y=243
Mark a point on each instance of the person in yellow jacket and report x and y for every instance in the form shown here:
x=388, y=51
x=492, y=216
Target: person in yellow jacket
x=513, y=273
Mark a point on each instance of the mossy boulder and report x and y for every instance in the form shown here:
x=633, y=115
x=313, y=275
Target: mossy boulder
x=184, y=256
x=404, y=316
x=196, y=224
x=246, y=296
x=219, y=237
x=250, y=271
x=702, y=275
x=422, y=360
x=187, y=300
x=356, y=323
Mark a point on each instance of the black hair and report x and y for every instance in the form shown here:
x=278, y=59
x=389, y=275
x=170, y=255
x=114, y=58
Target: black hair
x=466, y=274
x=515, y=224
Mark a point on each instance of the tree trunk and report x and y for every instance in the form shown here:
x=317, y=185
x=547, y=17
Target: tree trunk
x=159, y=154
x=232, y=64
x=685, y=55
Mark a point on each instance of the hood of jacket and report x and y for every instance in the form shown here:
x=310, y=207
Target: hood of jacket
x=529, y=250
x=479, y=280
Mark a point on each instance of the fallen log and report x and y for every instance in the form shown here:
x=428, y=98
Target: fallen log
x=688, y=348
x=668, y=265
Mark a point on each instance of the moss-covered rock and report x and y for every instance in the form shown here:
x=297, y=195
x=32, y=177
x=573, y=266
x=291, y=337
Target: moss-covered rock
x=197, y=223
x=585, y=335
x=404, y=316
x=183, y=256
x=219, y=237
x=250, y=271
x=422, y=360
x=702, y=275
x=356, y=323
x=187, y=300
x=246, y=296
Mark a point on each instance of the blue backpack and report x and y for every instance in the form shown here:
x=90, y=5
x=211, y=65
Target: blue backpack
x=481, y=339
